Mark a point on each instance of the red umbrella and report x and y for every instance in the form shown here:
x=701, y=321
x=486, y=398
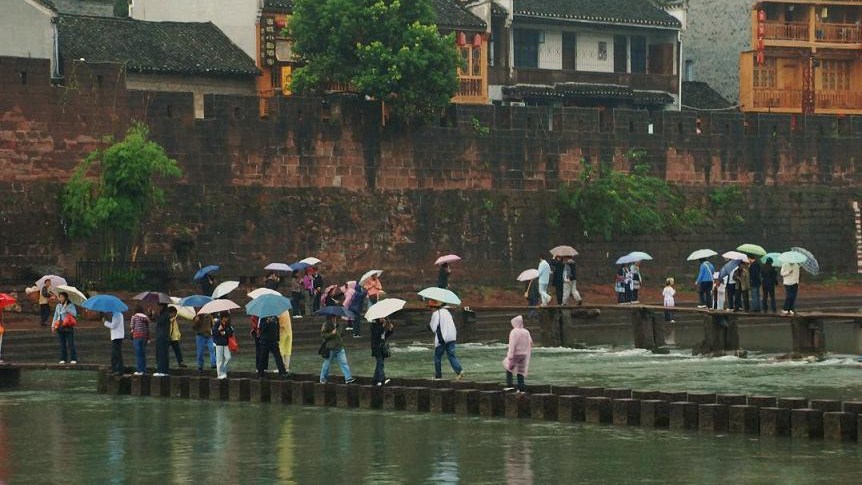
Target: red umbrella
x=6, y=300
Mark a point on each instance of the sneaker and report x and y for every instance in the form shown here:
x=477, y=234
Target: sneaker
x=460, y=376
x=785, y=312
x=138, y=373
x=159, y=374
x=297, y=317
x=379, y=384
x=357, y=336
x=701, y=306
x=508, y=389
x=322, y=381
x=387, y=381
x=791, y=312
x=222, y=377
x=73, y=362
x=350, y=381
x=62, y=362
x=436, y=378
x=349, y=328
x=672, y=321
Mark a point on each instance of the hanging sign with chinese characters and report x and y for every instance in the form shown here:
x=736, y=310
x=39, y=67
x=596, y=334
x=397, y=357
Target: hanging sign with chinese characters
x=267, y=41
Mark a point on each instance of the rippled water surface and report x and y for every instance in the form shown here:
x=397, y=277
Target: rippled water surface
x=57, y=430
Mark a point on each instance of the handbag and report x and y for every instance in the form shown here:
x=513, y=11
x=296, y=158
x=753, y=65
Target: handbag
x=323, y=351
x=384, y=350
x=232, y=344
x=69, y=321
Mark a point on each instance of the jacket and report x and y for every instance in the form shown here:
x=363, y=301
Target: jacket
x=140, y=326
x=379, y=334
x=333, y=340
x=269, y=329
x=770, y=277
x=117, y=326
x=790, y=274
x=163, y=325
x=443, y=277
x=544, y=272
x=557, y=269
x=704, y=274
x=743, y=278
x=220, y=334
x=520, y=347
x=202, y=325
x=754, y=272
x=443, y=319
x=60, y=312
x=373, y=287
x=175, y=333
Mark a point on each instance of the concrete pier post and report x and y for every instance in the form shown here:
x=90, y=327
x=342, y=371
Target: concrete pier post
x=517, y=405
x=160, y=386
x=826, y=405
x=618, y=393
x=590, y=391
x=839, y=427
x=646, y=395
x=792, y=402
x=394, y=398
x=648, y=332
x=774, y=421
x=239, y=389
x=543, y=406
x=370, y=397
x=219, y=390
x=119, y=385
x=102, y=381
x=571, y=408
x=417, y=399
x=806, y=423
x=302, y=393
x=466, y=402
x=491, y=404
x=141, y=385
x=279, y=392
x=808, y=336
x=259, y=390
x=714, y=418
x=702, y=397
x=731, y=399
x=744, y=419
x=550, y=323
x=442, y=400
x=324, y=394
x=346, y=396
x=720, y=335
x=598, y=410
x=673, y=396
x=683, y=415
x=627, y=411
x=180, y=387
x=199, y=387
x=655, y=413
x=763, y=401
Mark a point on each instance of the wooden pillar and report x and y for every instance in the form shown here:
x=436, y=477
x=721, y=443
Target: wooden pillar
x=648, y=333
x=720, y=335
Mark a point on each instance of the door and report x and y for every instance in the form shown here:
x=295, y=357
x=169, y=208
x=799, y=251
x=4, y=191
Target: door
x=639, y=54
x=570, y=51
x=621, y=53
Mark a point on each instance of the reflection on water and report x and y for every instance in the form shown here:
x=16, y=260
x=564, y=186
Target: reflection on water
x=49, y=436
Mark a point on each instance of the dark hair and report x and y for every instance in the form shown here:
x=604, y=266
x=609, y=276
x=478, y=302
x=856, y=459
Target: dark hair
x=65, y=295
x=768, y=260
x=139, y=309
x=172, y=309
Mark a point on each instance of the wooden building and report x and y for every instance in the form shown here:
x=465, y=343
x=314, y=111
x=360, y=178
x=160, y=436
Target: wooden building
x=806, y=58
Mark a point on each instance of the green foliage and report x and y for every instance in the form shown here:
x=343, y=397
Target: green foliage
x=121, y=8
x=725, y=197
x=113, y=189
x=609, y=202
x=385, y=49
x=478, y=128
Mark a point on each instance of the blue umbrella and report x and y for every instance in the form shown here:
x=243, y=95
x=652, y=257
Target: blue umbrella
x=268, y=306
x=335, y=311
x=105, y=303
x=299, y=266
x=205, y=271
x=196, y=301
x=728, y=268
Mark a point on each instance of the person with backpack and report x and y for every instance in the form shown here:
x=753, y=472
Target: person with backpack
x=65, y=319
x=381, y=330
x=269, y=335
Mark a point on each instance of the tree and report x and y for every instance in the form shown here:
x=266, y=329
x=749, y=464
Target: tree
x=385, y=49
x=113, y=190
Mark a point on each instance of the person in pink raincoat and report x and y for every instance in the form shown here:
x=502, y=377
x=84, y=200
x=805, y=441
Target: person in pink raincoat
x=517, y=360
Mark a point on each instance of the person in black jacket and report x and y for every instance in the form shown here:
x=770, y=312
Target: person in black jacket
x=754, y=276
x=163, y=338
x=769, y=279
x=443, y=276
x=557, y=269
x=222, y=330
x=381, y=329
x=268, y=334
x=207, y=285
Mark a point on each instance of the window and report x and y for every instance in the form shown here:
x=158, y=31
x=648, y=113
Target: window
x=526, y=48
x=498, y=49
x=570, y=51
x=621, y=54
x=835, y=75
x=639, y=54
x=472, y=57
x=765, y=74
x=689, y=70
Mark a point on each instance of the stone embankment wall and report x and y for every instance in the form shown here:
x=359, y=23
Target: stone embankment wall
x=324, y=177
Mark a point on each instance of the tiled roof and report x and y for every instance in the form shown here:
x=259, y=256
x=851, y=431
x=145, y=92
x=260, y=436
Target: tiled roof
x=153, y=47
x=451, y=15
x=638, y=12
x=95, y=8
x=285, y=6
x=497, y=9
x=700, y=95
x=589, y=91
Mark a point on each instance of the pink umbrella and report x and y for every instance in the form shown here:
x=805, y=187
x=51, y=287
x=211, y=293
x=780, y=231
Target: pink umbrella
x=449, y=258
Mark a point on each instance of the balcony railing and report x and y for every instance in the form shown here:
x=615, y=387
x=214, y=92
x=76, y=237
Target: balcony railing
x=471, y=89
x=652, y=82
x=838, y=33
x=778, y=98
x=786, y=31
x=838, y=100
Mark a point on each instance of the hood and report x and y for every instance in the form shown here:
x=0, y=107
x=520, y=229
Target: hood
x=518, y=322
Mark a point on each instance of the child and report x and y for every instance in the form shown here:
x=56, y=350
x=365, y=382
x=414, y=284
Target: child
x=717, y=292
x=668, y=293
x=517, y=360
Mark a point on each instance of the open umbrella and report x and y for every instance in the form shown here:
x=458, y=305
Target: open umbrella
x=369, y=274
x=217, y=306
x=311, y=261
x=106, y=304
x=449, y=258
x=153, y=297
x=268, y=306
x=384, y=308
x=773, y=256
x=279, y=267
x=335, y=311
x=262, y=291
x=299, y=266
x=75, y=294
x=792, y=257
x=564, y=251
x=735, y=256
x=440, y=294
x=634, y=257
x=528, y=274
x=184, y=312
x=811, y=265
x=195, y=301
x=728, y=268
x=752, y=249
x=201, y=274
x=224, y=288
x=701, y=254
x=55, y=281
x=6, y=300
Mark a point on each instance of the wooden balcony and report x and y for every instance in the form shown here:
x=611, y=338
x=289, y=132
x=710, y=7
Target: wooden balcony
x=843, y=100
x=838, y=33
x=786, y=31
x=652, y=82
x=790, y=100
x=471, y=90
x=778, y=99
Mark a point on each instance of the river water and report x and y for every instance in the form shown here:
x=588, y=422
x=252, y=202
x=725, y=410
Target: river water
x=57, y=429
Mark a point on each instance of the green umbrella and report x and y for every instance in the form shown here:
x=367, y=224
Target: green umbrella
x=753, y=249
x=773, y=256
x=792, y=257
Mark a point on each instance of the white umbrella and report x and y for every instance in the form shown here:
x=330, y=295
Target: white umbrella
x=224, y=288
x=217, y=306
x=449, y=258
x=528, y=274
x=440, y=294
x=384, y=308
x=369, y=274
x=735, y=255
x=75, y=294
x=55, y=281
x=279, y=267
x=262, y=291
x=701, y=254
x=311, y=261
x=564, y=251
